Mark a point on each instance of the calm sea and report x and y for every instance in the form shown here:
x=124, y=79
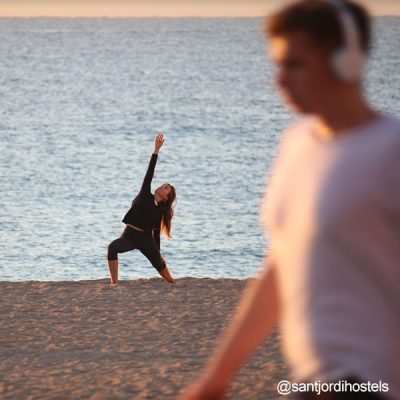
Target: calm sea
x=80, y=103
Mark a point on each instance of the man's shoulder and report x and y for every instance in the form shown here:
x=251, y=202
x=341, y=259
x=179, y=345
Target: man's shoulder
x=386, y=130
x=390, y=128
x=392, y=122
x=299, y=130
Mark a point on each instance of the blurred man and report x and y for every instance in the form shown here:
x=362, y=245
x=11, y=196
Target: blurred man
x=332, y=212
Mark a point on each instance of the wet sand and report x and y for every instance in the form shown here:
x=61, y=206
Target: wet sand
x=142, y=339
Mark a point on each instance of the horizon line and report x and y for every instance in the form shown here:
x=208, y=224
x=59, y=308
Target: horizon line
x=130, y=16
x=152, y=16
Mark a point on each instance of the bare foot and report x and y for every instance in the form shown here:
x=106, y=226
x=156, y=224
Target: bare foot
x=166, y=275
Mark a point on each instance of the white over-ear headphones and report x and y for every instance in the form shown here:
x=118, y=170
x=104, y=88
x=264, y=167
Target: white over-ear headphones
x=348, y=61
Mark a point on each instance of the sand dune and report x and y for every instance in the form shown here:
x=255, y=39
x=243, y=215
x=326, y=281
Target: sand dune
x=143, y=339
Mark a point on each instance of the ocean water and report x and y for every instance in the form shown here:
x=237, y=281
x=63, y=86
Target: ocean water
x=81, y=101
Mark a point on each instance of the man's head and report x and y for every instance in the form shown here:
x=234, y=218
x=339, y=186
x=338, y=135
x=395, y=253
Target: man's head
x=304, y=39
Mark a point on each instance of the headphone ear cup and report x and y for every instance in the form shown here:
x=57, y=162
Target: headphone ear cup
x=339, y=63
x=347, y=63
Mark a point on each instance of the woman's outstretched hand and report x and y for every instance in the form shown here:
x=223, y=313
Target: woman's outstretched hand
x=158, y=142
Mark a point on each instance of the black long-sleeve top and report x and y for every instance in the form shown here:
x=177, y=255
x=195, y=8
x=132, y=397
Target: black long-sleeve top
x=144, y=212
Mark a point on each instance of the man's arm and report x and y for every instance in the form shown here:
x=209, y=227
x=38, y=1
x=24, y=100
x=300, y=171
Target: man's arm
x=255, y=317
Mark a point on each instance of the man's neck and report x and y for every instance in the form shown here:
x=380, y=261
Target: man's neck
x=344, y=112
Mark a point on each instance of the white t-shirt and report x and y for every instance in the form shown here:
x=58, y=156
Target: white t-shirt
x=332, y=213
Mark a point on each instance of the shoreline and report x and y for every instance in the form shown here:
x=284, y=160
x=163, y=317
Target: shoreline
x=141, y=339
x=125, y=281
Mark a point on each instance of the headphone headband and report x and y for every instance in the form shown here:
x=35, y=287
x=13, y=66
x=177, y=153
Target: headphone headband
x=348, y=61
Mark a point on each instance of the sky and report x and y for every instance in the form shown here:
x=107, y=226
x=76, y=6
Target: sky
x=162, y=8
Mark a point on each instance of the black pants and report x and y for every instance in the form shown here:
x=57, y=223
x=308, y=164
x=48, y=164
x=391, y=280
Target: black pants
x=132, y=239
x=344, y=395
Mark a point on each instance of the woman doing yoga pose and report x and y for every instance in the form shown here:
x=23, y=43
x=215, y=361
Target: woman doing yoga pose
x=148, y=216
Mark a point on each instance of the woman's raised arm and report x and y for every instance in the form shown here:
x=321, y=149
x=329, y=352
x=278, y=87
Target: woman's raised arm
x=158, y=142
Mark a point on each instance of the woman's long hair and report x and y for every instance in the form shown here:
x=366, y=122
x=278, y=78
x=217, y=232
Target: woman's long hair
x=168, y=212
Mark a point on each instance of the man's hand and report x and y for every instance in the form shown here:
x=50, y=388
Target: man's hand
x=206, y=388
x=158, y=142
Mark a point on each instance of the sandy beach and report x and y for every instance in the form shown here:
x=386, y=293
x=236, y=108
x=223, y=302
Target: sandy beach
x=142, y=339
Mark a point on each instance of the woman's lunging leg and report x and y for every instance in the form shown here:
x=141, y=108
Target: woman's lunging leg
x=166, y=275
x=150, y=249
x=120, y=245
x=113, y=268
